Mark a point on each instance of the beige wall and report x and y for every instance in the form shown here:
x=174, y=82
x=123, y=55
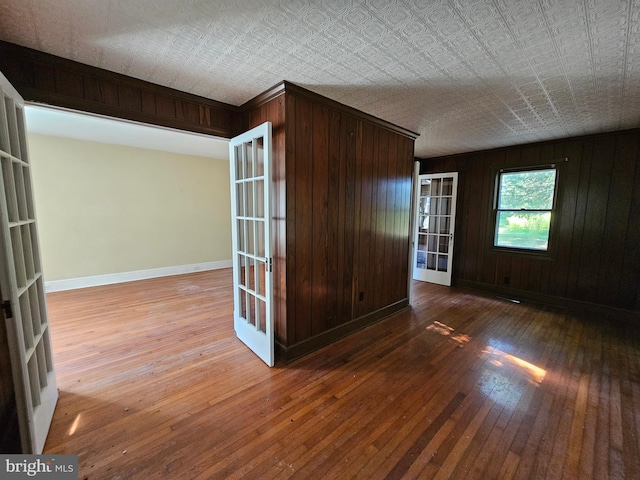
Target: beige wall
x=106, y=209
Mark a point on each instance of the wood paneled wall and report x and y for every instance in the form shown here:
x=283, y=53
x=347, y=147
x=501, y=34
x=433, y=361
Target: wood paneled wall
x=343, y=188
x=44, y=78
x=596, y=256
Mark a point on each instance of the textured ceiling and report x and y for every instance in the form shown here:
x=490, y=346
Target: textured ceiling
x=466, y=75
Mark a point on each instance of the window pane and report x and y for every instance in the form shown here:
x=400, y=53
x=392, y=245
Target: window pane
x=532, y=190
x=528, y=230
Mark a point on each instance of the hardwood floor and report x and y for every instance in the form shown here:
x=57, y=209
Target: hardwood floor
x=153, y=384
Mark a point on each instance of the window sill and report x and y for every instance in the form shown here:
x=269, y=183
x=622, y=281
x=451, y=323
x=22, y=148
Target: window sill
x=539, y=254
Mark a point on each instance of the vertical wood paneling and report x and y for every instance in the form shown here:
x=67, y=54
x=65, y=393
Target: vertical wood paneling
x=333, y=217
x=363, y=250
x=475, y=235
x=304, y=228
x=567, y=212
x=629, y=291
x=320, y=198
x=580, y=218
x=380, y=217
x=617, y=213
x=595, y=215
x=290, y=179
x=279, y=208
x=390, y=188
x=404, y=233
x=595, y=256
x=347, y=186
x=486, y=179
x=346, y=307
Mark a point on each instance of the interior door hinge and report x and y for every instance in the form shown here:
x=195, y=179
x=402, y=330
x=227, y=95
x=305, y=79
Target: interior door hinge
x=270, y=264
x=6, y=308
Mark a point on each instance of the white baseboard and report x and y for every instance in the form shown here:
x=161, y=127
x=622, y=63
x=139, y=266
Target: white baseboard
x=111, y=278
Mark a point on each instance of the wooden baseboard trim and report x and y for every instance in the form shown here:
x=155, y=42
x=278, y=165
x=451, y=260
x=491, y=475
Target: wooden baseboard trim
x=293, y=352
x=111, y=278
x=568, y=303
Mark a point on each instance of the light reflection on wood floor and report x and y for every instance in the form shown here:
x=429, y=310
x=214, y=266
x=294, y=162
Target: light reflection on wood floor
x=153, y=384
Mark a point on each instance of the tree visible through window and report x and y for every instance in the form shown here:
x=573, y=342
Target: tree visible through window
x=525, y=202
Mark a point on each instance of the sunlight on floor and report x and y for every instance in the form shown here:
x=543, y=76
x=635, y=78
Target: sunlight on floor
x=499, y=358
x=74, y=425
x=447, y=331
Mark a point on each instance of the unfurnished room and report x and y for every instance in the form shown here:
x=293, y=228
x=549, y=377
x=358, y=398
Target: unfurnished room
x=320, y=239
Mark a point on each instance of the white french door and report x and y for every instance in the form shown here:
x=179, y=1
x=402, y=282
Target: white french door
x=21, y=282
x=434, y=231
x=250, y=165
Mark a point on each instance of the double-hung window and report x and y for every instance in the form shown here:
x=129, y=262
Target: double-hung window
x=524, y=204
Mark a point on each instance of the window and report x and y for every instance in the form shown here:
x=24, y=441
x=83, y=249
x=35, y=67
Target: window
x=524, y=207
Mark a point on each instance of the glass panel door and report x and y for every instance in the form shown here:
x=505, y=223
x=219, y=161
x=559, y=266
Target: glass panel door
x=433, y=252
x=21, y=281
x=250, y=160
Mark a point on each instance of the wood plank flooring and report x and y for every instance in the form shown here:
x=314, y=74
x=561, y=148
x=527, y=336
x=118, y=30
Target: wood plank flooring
x=153, y=384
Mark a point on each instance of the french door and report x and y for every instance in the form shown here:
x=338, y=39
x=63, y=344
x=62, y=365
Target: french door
x=21, y=282
x=434, y=231
x=250, y=162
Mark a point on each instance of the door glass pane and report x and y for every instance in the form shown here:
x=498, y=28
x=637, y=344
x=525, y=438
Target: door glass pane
x=259, y=164
x=18, y=257
x=259, y=196
x=261, y=312
x=249, y=212
x=249, y=237
x=431, y=261
x=434, y=205
x=433, y=224
x=239, y=161
x=27, y=250
x=445, y=225
x=241, y=236
x=443, y=244
x=248, y=160
x=443, y=263
x=447, y=186
x=251, y=274
x=240, y=199
x=421, y=259
x=18, y=177
x=261, y=278
x=423, y=223
x=260, y=240
x=425, y=188
x=27, y=321
x=433, y=242
x=445, y=206
x=242, y=270
x=435, y=187
x=10, y=189
x=252, y=309
x=422, y=242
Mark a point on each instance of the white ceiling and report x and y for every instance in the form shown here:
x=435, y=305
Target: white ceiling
x=465, y=74
x=64, y=123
